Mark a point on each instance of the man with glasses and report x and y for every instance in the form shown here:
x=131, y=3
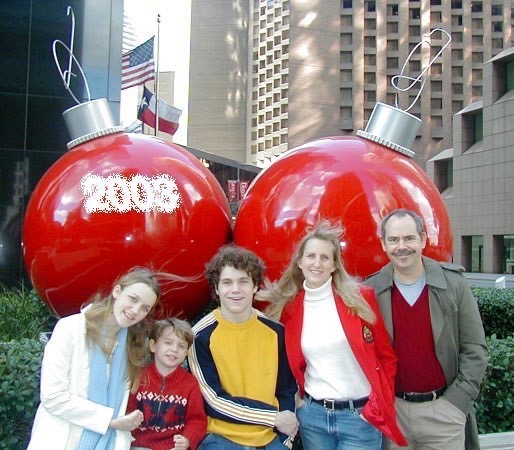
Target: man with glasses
x=437, y=333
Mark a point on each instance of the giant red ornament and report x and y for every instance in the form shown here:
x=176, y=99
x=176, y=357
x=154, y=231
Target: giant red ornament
x=70, y=253
x=352, y=180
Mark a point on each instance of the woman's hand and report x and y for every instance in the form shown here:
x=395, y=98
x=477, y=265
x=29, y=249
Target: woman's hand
x=127, y=422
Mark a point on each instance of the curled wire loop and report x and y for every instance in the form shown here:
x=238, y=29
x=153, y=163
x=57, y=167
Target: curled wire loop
x=68, y=73
x=422, y=77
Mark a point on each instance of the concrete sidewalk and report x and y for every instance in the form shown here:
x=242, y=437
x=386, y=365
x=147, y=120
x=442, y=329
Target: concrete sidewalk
x=497, y=441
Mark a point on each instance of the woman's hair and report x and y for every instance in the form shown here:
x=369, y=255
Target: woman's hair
x=279, y=294
x=182, y=329
x=101, y=307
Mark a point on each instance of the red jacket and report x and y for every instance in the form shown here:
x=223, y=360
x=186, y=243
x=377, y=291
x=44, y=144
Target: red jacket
x=372, y=348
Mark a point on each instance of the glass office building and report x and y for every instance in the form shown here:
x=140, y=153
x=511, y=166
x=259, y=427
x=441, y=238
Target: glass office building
x=33, y=97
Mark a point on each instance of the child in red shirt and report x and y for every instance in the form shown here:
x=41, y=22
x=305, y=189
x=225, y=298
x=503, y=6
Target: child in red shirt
x=168, y=395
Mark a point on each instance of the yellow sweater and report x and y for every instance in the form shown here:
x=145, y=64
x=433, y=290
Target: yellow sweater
x=244, y=376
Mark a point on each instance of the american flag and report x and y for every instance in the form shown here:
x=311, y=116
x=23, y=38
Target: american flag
x=137, y=66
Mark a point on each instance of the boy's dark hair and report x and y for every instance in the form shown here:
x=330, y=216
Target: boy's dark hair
x=237, y=257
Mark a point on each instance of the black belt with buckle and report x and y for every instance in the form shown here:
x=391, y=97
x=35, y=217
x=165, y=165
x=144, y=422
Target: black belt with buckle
x=420, y=397
x=339, y=404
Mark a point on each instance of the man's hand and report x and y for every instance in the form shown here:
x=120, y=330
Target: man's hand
x=181, y=443
x=128, y=422
x=286, y=423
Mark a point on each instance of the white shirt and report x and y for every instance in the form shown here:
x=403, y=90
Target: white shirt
x=332, y=370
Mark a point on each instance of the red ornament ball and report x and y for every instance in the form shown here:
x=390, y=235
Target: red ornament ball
x=72, y=250
x=350, y=180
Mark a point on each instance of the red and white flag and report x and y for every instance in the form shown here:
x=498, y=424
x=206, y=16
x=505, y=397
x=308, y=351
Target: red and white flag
x=168, y=114
x=137, y=66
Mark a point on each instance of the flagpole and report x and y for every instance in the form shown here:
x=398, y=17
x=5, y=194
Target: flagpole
x=157, y=76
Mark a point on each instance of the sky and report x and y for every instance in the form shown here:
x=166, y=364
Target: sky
x=173, y=55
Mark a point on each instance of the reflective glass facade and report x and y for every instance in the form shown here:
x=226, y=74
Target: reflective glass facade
x=32, y=131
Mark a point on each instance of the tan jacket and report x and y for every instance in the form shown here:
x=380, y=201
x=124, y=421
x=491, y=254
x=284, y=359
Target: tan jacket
x=457, y=329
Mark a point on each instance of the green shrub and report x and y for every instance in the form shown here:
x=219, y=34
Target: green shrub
x=23, y=314
x=495, y=406
x=497, y=310
x=20, y=363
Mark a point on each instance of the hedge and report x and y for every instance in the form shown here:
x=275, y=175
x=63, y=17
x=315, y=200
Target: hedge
x=19, y=390
x=497, y=310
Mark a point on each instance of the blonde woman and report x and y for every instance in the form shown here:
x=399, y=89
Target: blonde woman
x=337, y=346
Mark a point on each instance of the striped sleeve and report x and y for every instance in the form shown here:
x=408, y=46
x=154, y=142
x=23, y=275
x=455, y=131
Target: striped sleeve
x=219, y=403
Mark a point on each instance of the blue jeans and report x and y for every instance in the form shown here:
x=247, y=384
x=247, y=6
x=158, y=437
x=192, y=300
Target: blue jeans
x=342, y=429
x=217, y=442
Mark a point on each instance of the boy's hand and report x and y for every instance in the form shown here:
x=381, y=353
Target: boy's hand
x=286, y=423
x=127, y=422
x=181, y=443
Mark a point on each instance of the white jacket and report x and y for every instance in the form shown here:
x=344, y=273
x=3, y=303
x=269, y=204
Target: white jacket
x=65, y=410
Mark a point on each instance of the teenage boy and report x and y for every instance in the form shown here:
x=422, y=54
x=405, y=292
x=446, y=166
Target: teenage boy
x=239, y=359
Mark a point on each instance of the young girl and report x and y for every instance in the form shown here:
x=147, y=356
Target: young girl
x=88, y=366
x=168, y=395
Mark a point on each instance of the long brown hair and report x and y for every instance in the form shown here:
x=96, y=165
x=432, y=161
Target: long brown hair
x=279, y=294
x=101, y=307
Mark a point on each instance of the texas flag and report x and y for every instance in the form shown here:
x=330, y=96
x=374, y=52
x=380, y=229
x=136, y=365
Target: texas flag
x=168, y=115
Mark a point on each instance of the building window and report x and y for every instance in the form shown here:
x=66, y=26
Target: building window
x=457, y=105
x=392, y=63
x=435, y=18
x=414, y=30
x=370, y=97
x=497, y=27
x=477, y=57
x=392, y=45
x=476, y=24
x=436, y=86
x=370, y=42
x=476, y=7
x=477, y=39
x=443, y=174
x=508, y=254
x=457, y=21
x=370, y=6
x=370, y=60
x=370, y=78
x=346, y=58
x=473, y=253
x=435, y=2
x=476, y=92
x=346, y=76
x=476, y=75
x=457, y=72
x=497, y=43
x=414, y=13
x=436, y=103
x=370, y=24
x=509, y=67
x=392, y=27
x=347, y=4
x=392, y=10
x=456, y=4
x=496, y=10
x=457, y=89
x=478, y=127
